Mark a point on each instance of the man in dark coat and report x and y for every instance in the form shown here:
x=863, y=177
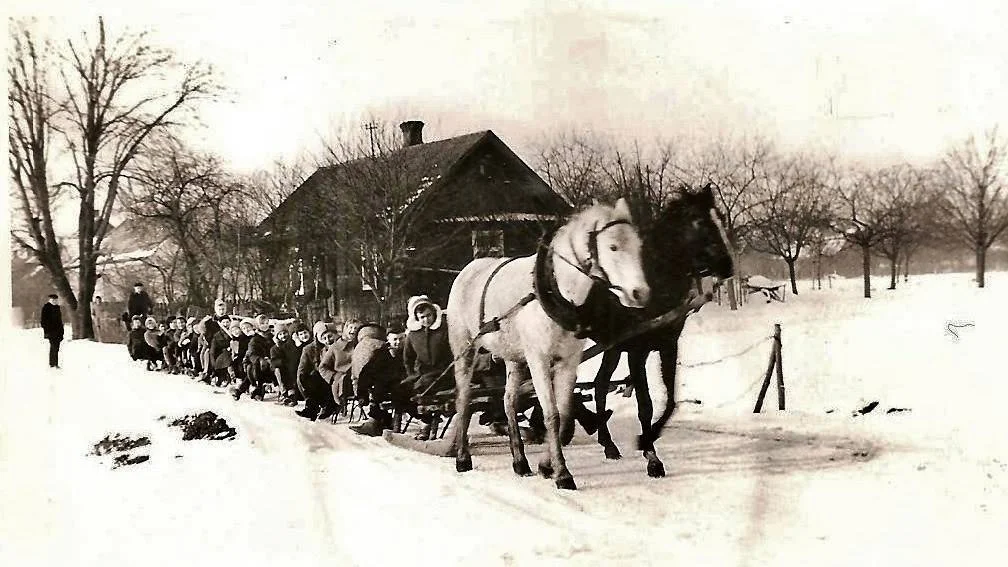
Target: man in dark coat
x=139, y=303
x=52, y=327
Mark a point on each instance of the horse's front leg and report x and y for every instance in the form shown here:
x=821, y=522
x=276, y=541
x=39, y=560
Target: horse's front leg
x=516, y=373
x=669, y=361
x=463, y=410
x=552, y=464
x=645, y=411
x=609, y=362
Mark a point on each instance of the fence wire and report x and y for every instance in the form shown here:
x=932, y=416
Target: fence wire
x=725, y=357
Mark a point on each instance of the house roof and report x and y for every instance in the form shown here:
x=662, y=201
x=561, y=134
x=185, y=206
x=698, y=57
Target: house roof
x=430, y=166
x=133, y=240
x=133, y=234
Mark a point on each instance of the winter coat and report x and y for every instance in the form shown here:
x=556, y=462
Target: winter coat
x=52, y=321
x=311, y=355
x=239, y=348
x=136, y=344
x=336, y=361
x=220, y=351
x=154, y=340
x=426, y=353
x=139, y=304
x=258, y=348
x=286, y=357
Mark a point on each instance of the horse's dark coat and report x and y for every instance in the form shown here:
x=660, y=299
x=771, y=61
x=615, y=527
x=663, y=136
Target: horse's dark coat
x=681, y=243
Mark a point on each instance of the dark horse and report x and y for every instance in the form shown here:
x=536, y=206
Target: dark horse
x=685, y=241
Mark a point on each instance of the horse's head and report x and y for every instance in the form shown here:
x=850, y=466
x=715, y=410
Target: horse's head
x=607, y=247
x=693, y=228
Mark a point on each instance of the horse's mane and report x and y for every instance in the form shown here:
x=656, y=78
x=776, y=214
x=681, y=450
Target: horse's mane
x=596, y=215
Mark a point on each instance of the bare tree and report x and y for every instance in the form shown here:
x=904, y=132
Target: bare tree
x=975, y=203
x=32, y=112
x=905, y=192
x=573, y=164
x=184, y=192
x=862, y=217
x=735, y=169
x=793, y=209
x=648, y=182
x=113, y=94
x=266, y=190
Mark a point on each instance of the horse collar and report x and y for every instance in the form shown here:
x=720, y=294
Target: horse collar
x=557, y=307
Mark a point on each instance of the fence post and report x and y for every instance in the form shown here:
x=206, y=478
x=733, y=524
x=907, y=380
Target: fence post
x=773, y=363
x=780, y=367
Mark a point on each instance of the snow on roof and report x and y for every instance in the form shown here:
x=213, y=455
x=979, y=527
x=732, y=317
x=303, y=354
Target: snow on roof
x=502, y=217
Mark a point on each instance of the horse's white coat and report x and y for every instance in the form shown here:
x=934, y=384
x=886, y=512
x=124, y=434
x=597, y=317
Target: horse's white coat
x=529, y=341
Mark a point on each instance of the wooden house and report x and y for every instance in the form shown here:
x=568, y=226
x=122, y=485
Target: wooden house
x=471, y=196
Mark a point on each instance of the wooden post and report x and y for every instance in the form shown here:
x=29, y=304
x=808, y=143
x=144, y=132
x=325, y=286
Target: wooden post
x=773, y=363
x=780, y=367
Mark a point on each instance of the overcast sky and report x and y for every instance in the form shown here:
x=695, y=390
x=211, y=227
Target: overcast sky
x=866, y=78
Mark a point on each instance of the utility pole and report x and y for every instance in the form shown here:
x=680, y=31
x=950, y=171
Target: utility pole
x=371, y=127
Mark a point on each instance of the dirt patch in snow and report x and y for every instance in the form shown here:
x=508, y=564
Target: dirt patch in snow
x=206, y=425
x=122, y=446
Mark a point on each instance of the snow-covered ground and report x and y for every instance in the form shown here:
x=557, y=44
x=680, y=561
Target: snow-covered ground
x=811, y=485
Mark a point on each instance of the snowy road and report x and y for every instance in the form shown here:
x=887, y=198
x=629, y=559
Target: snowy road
x=775, y=489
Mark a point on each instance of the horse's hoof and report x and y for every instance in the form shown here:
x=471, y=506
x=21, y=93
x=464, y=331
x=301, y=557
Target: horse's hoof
x=521, y=468
x=612, y=453
x=566, y=483
x=655, y=469
x=463, y=465
x=546, y=470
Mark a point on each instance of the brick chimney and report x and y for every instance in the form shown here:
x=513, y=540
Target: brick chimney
x=412, y=132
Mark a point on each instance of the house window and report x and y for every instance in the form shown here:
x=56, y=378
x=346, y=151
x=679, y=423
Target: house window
x=488, y=243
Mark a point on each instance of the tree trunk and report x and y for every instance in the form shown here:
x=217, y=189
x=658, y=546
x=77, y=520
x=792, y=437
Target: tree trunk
x=791, y=273
x=82, y=323
x=866, y=268
x=906, y=268
x=818, y=269
x=981, y=265
x=893, y=271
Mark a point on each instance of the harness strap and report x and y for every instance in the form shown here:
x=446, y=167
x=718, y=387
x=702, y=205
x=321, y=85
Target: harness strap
x=483, y=296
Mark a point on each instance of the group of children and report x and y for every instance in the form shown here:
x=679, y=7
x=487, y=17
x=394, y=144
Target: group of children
x=325, y=367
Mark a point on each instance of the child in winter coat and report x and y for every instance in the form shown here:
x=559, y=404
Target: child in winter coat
x=256, y=355
x=427, y=354
x=169, y=338
x=135, y=343
x=186, y=343
x=336, y=364
x=316, y=391
x=285, y=354
x=152, y=336
x=219, y=352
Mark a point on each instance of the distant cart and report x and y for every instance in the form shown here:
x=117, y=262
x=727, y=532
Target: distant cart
x=773, y=291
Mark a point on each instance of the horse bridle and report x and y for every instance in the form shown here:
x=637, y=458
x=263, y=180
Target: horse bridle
x=589, y=265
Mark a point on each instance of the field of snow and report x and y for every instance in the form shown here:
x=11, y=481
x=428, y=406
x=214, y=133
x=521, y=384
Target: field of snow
x=811, y=485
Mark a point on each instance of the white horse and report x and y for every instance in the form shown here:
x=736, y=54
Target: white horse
x=599, y=243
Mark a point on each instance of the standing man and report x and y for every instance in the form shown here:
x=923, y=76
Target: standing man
x=52, y=327
x=139, y=303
